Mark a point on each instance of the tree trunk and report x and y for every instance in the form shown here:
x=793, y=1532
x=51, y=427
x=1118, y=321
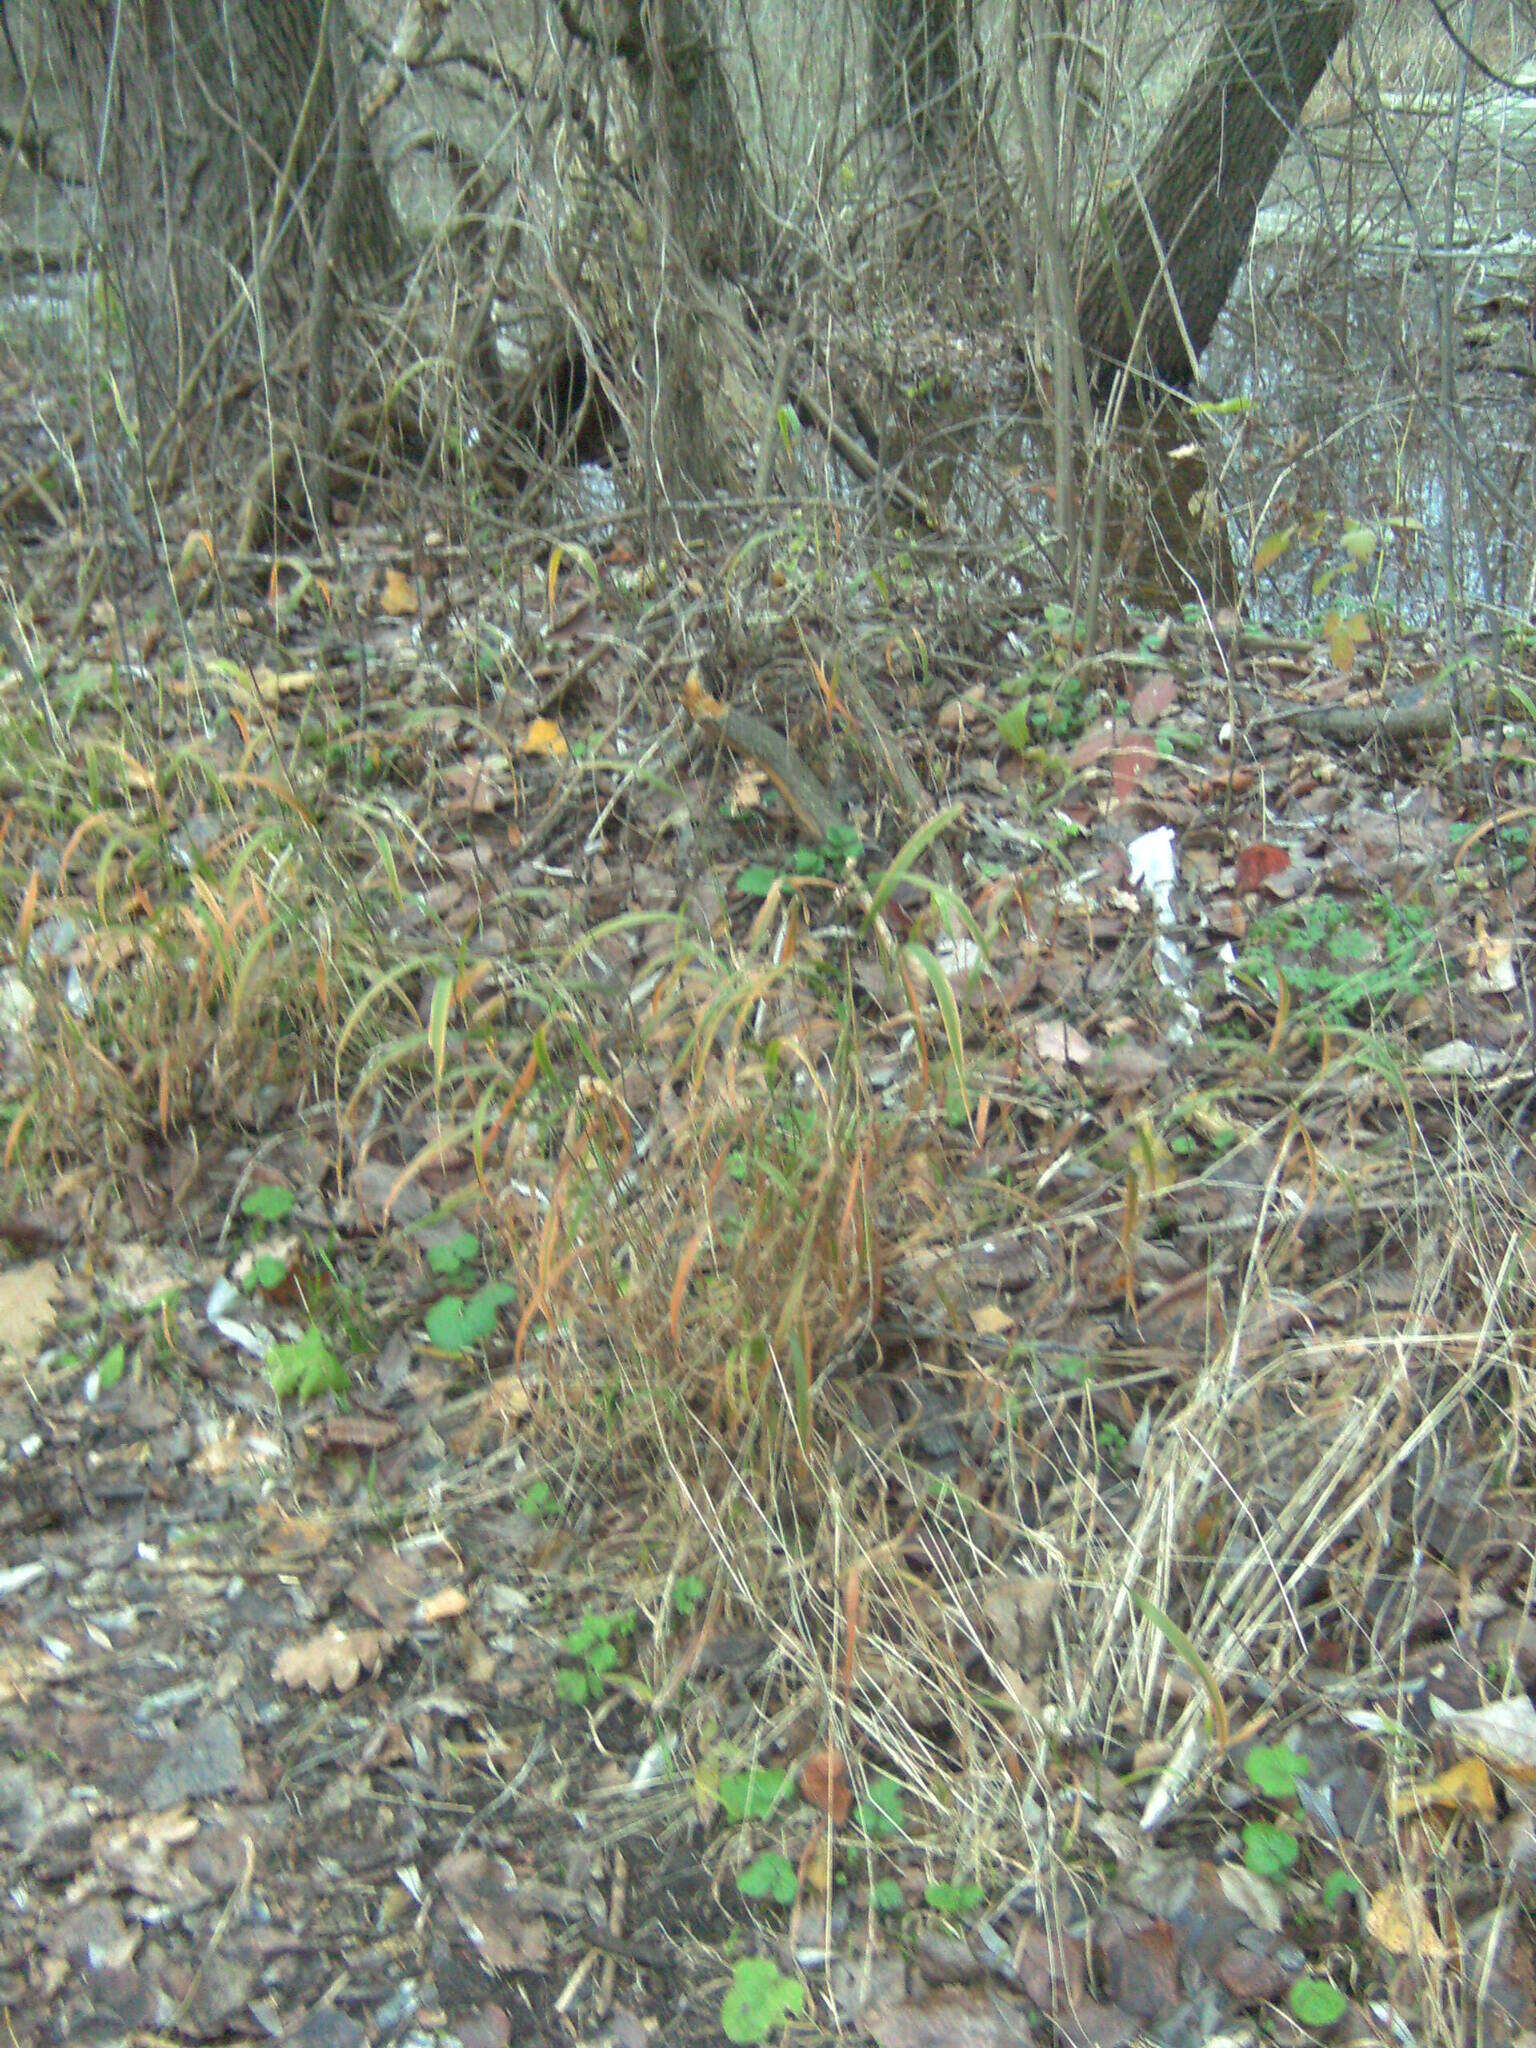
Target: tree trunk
x=225, y=130
x=915, y=57
x=1174, y=235
x=695, y=136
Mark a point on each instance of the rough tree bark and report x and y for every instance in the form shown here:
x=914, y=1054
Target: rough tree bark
x=226, y=131
x=1174, y=235
x=915, y=58
x=707, y=229
x=672, y=51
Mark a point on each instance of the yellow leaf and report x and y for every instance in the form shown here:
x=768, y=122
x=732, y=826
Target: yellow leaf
x=1358, y=542
x=1271, y=548
x=556, y=557
x=198, y=556
x=272, y=687
x=28, y=1299
x=543, y=737
x=399, y=600
x=1399, y=1920
x=991, y=1321
x=1465, y=1788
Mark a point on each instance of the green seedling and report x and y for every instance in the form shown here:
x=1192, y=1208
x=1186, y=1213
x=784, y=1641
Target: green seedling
x=841, y=846
x=454, y=1254
x=306, y=1368
x=1348, y=958
x=270, y=1204
x=881, y=1813
x=540, y=1502
x=1275, y=1770
x=1268, y=1851
x=111, y=1368
x=596, y=1648
x=686, y=1595
x=760, y=2000
x=769, y=1876
x=885, y=1895
x=956, y=1901
x=269, y=1270
x=1316, y=2003
x=751, y=1795
x=458, y=1322
x=1339, y=1885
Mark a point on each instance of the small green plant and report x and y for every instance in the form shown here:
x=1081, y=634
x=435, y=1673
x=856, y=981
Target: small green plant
x=769, y=1876
x=957, y=1901
x=269, y=1271
x=1347, y=959
x=1316, y=2003
x=1049, y=707
x=751, y=1795
x=687, y=1592
x=1276, y=1770
x=881, y=1813
x=1112, y=1441
x=110, y=1370
x=1340, y=1885
x=841, y=846
x=540, y=1502
x=306, y=1368
x=760, y=2000
x=595, y=1649
x=885, y=1895
x=454, y=1254
x=271, y=1204
x=459, y=1322
x=1268, y=1850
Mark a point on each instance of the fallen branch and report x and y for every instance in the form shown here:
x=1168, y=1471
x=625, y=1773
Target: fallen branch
x=815, y=810
x=1430, y=718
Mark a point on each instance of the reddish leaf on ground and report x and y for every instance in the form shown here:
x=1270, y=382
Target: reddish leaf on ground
x=1258, y=863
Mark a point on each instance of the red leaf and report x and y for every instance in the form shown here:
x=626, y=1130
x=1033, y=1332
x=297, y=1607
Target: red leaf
x=1259, y=863
x=1133, y=758
x=1158, y=694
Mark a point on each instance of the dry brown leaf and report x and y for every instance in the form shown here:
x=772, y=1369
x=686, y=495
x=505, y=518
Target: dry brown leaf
x=1491, y=960
x=1019, y=1612
x=1398, y=1919
x=952, y=2019
x=824, y=1784
x=332, y=1661
x=991, y=1321
x=29, y=1297
x=1504, y=1735
x=442, y=1606
x=1058, y=1043
x=484, y=1894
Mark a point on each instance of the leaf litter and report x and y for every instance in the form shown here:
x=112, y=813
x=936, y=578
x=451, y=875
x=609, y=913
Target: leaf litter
x=1054, y=1286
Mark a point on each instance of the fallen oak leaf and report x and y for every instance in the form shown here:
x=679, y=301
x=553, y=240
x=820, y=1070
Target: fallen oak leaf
x=543, y=737
x=824, y=1785
x=399, y=599
x=1398, y=1919
x=333, y=1660
x=1467, y=1787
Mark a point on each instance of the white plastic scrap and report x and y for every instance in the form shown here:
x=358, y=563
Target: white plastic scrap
x=1155, y=869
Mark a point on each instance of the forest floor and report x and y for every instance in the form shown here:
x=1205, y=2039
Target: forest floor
x=744, y=1303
